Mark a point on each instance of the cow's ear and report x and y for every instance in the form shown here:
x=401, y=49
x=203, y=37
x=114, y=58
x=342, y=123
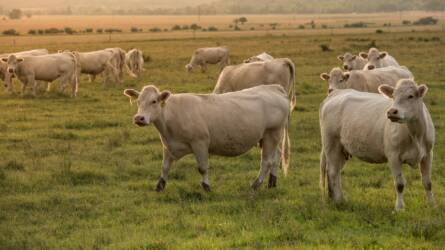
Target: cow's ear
x=382, y=55
x=346, y=76
x=422, y=89
x=324, y=76
x=354, y=57
x=164, y=96
x=19, y=60
x=363, y=55
x=340, y=58
x=4, y=59
x=132, y=94
x=386, y=90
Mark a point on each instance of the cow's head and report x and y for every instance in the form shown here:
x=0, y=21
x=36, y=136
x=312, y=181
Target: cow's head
x=336, y=79
x=189, y=67
x=407, y=100
x=350, y=61
x=11, y=65
x=150, y=102
x=374, y=57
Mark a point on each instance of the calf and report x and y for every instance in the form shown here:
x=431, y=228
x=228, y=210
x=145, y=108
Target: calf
x=228, y=125
x=365, y=80
x=397, y=129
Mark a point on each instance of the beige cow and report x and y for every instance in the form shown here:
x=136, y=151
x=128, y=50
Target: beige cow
x=263, y=57
x=228, y=125
x=99, y=62
x=365, y=80
x=4, y=66
x=63, y=66
x=396, y=129
x=377, y=59
x=118, y=62
x=134, y=60
x=203, y=56
x=352, y=62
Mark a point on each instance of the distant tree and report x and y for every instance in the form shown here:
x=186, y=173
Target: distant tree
x=15, y=14
x=176, y=27
x=69, y=30
x=99, y=30
x=195, y=27
x=10, y=32
x=242, y=20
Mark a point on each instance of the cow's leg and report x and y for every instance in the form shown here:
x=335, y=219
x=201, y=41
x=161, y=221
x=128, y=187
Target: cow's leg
x=425, y=170
x=167, y=160
x=335, y=160
x=33, y=83
x=204, y=68
x=74, y=83
x=268, y=151
x=399, y=182
x=201, y=152
x=92, y=78
x=274, y=171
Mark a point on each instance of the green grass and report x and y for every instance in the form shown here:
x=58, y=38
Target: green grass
x=77, y=174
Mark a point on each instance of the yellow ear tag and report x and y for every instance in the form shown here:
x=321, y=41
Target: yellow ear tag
x=162, y=104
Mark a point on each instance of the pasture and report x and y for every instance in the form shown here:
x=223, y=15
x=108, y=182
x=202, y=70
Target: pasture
x=77, y=174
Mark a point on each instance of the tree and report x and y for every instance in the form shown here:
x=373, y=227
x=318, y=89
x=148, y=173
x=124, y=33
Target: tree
x=242, y=20
x=15, y=14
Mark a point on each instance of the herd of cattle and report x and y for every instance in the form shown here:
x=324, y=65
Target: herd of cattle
x=374, y=110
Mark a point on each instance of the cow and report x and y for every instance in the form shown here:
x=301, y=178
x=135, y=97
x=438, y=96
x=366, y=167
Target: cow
x=365, y=80
x=63, y=66
x=352, y=62
x=377, y=59
x=134, y=60
x=218, y=124
x=3, y=65
x=393, y=127
x=118, y=62
x=261, y=57
x=98, y=62
x=203, y=56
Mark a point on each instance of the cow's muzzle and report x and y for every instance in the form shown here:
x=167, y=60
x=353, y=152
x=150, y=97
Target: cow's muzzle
x=140, y=121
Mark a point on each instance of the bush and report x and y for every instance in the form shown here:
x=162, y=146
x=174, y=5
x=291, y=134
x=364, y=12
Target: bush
x=194, y=26
x=426, y=21
x=41, y=32
x=112, y=30
x=406, y=22
x=32, y=32
x=387, y=25
x=379, y=31
x=155, y=29
x=88, y=30
x=176, y=27
x=356, y=25
x=252, y=28
x=69, y=30
x=324, y=26
x=212, y=28
x=10, y=32
x=53, y=31
x=185, y=27
x=135, y=29
x=237, y=28
x=435, y=39
x=325, y=48
x=301, y=27
x=99, y=30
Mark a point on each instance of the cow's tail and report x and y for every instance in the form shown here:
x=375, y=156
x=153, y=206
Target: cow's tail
x=285, y=147
x=128, y=66
x=323, y=171
x=76, y=71
x=292, y=84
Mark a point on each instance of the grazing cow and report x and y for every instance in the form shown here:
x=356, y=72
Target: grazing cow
x=228, y=125
x=63, y=66
x=3, y=65
x=118, y=62
x=202, y=57
x=134, y=60
x=261, y=57
x=365, y=80
x=352, y=62
x=397, y=129
x=377, y=59
x=98, y=62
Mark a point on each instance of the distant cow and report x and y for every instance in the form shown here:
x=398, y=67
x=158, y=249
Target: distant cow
x=396, y=129
x=4, y=66
x=202, y=57
x=365, y=80
x=352, y=62
x=228, y=125
x=63, y=66
x=261, y=57
x=134, y=60
x=118, y=62
x=98, y=62
x=377, y=59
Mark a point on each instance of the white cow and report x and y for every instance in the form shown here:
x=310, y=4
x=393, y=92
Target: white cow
x=227, y=124
x=134, y=60
x=4, y=66
x=99, y=62
x=63, y=66
x=352, y=62
x=377, y=59
x=261, y=57
x=203, y=56
x=396, y=129
x=118, y=62
x=365, y=80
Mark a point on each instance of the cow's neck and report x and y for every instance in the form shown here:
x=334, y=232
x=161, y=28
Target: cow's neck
x=417, y=127
x=161, y=126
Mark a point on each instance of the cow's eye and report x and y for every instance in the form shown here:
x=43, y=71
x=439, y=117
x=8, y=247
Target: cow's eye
x=410, y=97
x=154, y=101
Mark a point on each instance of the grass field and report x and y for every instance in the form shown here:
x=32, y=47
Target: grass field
x=77, y=174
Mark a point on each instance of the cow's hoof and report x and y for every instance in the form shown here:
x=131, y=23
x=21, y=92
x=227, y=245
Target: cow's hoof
x=256, y=184
x=205, y=186
x=272, y=181
x=161, y=185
